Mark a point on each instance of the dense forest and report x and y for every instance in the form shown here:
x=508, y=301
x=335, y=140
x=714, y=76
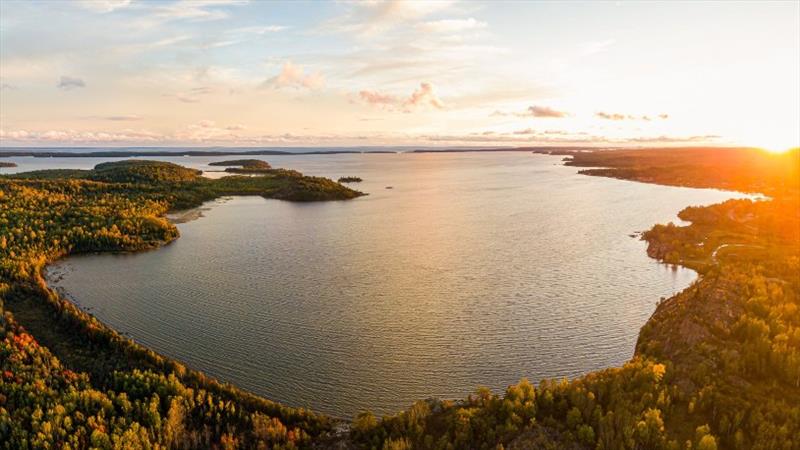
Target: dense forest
x=244, y=166
x=66, y=380
x=716, y=367
x=736, y=169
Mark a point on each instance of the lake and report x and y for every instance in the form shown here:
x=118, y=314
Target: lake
x=475, y=269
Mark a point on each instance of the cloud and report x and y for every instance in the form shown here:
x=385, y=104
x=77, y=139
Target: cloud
x=211, y=126
x=122, y=118
x=377, y=98
x=73, y=136
x=294, y=76
x=4, y=86
x=676, y=139
x=368, y=18
x=611, y=116
x=531, y=137
x=192, y=95
x=543, y=111
x=67, y=83
x=243, y=35
x=423, y=97
x=451, y=25
x=258, y=29
x=207, y=132
x=533, y=111
x=103, y=6
x=591, y=48
x=195, y=10
x=618, y=116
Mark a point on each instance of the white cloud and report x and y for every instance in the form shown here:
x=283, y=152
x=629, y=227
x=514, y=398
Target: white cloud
x=534, y=111
x=103, y=6
x=74, y=136
x=208, y=132
x=618, y=116
x=422, y=97
x=425, y=95
x=201, y=10
x=591, y=48
x=294, y=76
x=451, y=25
x=377, y=99
x=368, y=18
x=258, y=29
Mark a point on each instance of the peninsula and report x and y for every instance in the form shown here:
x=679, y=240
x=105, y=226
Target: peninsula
x=717, y=365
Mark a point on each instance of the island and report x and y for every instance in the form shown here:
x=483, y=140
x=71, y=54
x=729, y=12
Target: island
x=7, y=164
x=244, y=166
x=716, y=366
x=350, y=180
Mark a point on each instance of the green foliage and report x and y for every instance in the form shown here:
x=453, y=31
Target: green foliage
x=245, y=166
x=45, y=405
x=142, y=171
x=736, y=169
x=717, y=366
x=52, y=174
x=115, y=392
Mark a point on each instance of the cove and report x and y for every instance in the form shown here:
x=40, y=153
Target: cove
x=474, y=270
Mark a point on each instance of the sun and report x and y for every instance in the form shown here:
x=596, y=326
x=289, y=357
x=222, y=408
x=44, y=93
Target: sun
x=778, y=150
x=775, y=143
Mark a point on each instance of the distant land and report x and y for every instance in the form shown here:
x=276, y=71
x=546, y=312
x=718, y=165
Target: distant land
x=125, y=152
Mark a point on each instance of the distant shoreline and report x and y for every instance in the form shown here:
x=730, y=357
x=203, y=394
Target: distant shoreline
x=126, y=153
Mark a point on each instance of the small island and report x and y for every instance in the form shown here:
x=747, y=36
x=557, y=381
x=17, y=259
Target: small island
x=350, y=180
x=244, y=166
x=7, y=164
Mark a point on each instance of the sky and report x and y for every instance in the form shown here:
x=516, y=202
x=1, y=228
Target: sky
x=371, y=73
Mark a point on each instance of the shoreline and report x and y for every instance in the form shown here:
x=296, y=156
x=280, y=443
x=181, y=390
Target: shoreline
x=663, y=343
x=127, y=152
x=57, y=267
x=187, y=215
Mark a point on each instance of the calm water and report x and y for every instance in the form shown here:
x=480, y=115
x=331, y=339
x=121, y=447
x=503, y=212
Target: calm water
x=475, y=269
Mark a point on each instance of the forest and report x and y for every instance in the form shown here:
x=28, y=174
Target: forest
x=716, y=367
x=79, y=384
x=244, y=166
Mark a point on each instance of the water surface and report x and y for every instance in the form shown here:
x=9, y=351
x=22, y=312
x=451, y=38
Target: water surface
x=473, y=270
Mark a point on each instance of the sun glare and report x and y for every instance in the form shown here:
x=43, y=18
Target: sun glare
x=777, y=149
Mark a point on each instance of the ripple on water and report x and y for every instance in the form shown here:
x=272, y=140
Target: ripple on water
x=475, y=270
